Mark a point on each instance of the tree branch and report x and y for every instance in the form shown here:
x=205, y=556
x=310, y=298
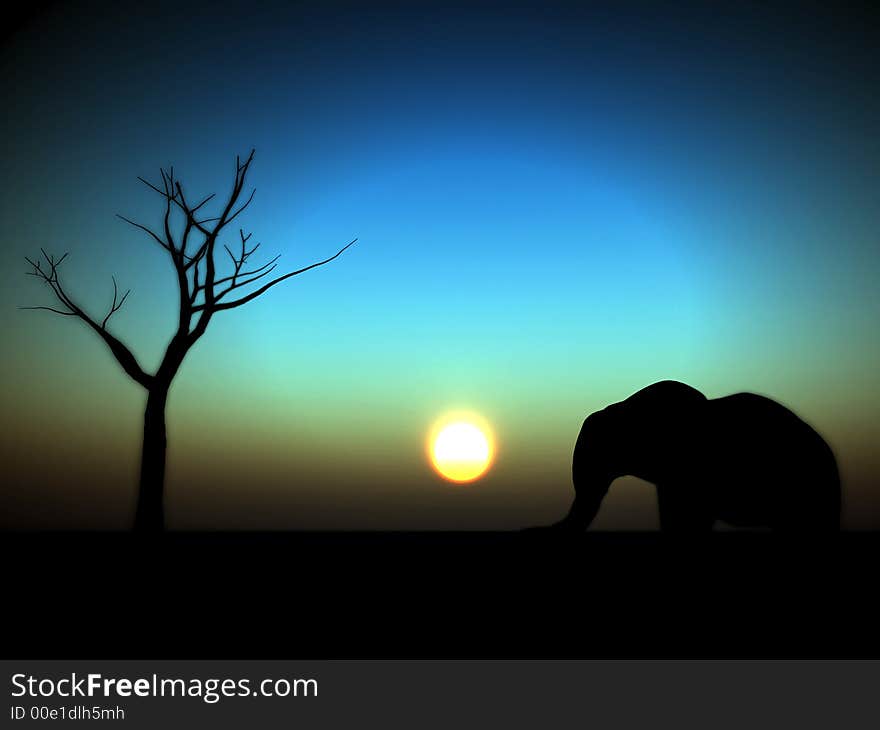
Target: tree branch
x=266, y=287
x=206, y=280
x=123, y=355
x=235, y=215
x=114, y=307
x=147, y=230
x=268, y=264
x=51, y=309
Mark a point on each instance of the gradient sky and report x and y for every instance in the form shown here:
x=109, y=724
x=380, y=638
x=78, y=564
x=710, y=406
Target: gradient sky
x=555, y=207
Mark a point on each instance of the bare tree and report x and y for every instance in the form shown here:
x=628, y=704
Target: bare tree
x=204, y=289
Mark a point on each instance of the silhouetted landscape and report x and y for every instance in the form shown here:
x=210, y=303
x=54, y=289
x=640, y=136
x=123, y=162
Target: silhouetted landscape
x=440, y=595
x=615, y=267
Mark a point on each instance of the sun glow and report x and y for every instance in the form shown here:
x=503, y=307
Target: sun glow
x=461, y=447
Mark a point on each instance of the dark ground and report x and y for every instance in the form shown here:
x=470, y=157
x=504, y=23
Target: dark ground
x=430, y=595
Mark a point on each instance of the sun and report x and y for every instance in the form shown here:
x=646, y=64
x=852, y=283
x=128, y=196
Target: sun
x=461, y=447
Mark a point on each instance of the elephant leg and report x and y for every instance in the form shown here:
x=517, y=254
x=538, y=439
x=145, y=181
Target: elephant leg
x=682, y=510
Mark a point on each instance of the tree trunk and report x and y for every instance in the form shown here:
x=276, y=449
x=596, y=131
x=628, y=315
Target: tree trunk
x=150, y=514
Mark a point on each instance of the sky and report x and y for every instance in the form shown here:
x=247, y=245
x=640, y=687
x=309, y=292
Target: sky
x=555, y=206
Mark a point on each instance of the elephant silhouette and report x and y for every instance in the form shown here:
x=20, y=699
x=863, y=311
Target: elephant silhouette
x=743, y=459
